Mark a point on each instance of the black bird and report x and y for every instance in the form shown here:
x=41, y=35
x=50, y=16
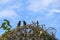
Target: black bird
x=37, y=23
x=24, y=23
x=19, y=23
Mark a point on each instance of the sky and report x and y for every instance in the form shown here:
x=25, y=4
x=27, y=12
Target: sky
x=45, y=11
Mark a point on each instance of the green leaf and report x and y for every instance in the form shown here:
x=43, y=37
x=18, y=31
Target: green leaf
x=3, y=25
x=8, y=29
x=8, y=23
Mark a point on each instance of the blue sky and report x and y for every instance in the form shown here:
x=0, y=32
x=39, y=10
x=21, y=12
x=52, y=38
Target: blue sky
x=45, y=11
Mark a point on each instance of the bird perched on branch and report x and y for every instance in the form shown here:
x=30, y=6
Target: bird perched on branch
x=37, y=23
x=18, y=26
x=24, y=23
x=19, y=23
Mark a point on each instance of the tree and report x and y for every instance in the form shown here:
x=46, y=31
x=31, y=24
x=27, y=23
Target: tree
x=32, y=31
x=6, y=26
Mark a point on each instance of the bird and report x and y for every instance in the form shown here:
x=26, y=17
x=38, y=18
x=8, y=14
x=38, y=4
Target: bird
x=24, y=23
x=37, y=23
x=19, y=23
x=18, y=26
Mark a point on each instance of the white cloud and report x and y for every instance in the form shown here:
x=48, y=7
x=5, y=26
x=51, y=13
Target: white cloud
x=10, y=4
x=16, y=6
x=10, y=15
x=4, y=1
x=7, y=13
x=37, y=5
x=55, y=10
x=52, y=13
x=49, y=15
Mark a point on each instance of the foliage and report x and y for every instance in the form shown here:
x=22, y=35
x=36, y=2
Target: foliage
x=6, y=26
x=32, y=31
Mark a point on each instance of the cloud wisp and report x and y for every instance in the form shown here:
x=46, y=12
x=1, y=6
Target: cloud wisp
x=7, y=13
x=37, y=5
x=4, y=1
